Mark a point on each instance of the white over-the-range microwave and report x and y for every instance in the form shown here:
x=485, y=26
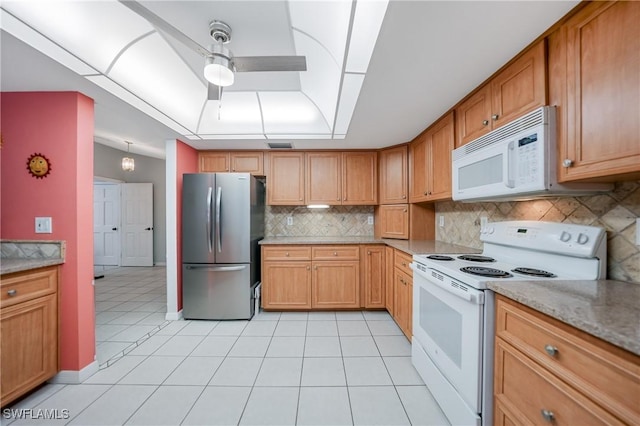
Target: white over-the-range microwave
x=514, y=162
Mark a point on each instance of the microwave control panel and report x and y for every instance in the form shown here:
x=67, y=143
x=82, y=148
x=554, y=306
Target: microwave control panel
x=528, y=162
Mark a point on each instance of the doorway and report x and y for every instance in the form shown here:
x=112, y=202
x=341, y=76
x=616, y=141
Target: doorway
x=123, y=224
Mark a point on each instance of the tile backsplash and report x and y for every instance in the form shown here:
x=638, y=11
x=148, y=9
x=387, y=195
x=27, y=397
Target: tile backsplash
x=350, y=221
x=616, y=212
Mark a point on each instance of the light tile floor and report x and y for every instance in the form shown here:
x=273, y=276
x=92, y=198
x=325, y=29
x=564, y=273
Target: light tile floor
x=318, y=368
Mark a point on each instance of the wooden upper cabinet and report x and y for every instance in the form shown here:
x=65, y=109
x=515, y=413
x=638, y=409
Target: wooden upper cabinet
x=430, y=162
x=323, y=178
x=285, y=179
x=594, y=78
x=213, y=162
x=516, y=90
x=394, y=182
x=247, y=162
x=359, y=178
x=237, y=161
x=341, y=178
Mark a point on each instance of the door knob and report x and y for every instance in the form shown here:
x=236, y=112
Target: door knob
x=494, y=117
x=485, y=122
x=114, y=229
x=567, y=162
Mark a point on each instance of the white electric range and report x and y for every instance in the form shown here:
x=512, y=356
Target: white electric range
x=453, y=311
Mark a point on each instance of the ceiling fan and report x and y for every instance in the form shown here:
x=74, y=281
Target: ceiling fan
x=220, y=63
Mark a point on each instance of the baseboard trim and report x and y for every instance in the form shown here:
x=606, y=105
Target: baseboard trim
x=73, y=377
x=160, y=264
x=174, y=316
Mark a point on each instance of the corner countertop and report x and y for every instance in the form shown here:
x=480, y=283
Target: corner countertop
x=606, y=309
x=408, y=246
x=8, y=266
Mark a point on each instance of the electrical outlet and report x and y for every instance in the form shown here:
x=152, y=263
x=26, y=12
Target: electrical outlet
x=43, y=225
x=289, y=220
x=370, y=220
x=441, y=221
x=483, y=221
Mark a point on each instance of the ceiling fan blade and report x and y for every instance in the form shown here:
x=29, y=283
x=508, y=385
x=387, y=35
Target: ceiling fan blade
x=165, y=27
x=214, y=93
x=270, y=63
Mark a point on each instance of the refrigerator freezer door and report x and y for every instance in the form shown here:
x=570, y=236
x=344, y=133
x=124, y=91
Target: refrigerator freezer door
x=217, y=292
x=198, y=218
x=232, y=223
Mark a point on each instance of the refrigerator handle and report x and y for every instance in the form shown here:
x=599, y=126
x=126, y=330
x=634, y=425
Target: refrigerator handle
x=209, y=199
x=218, y=230
x=218, y=268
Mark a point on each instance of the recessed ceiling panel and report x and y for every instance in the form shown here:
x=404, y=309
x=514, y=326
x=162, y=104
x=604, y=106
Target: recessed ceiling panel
x=291, y=113
x=351, y=85
x=238, y=112
x=366, y=26
x=151, y=70
x=84, y=28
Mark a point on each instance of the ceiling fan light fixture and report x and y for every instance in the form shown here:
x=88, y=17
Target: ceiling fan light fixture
x=218, y=67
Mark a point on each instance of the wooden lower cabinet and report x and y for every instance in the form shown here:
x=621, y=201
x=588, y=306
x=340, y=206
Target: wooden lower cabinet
x=402, y=302
x=571, y=378
x=28, y=331
x=335, y=285
x=389, y=276
x=286, y=285
x=372, y=260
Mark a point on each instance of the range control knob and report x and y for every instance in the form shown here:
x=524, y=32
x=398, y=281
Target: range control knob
x=565, y=236
x=583, y=238
x=490, y=230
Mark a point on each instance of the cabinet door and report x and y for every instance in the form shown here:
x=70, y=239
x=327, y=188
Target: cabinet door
x=29, y=345
x=286, y=285
x=359, y=178
x=389, y=273
x=394, y=181
x=247, y=162
x=394, y=221
x=213, y=162
x=285, y=180
x=323, y=178
x=336, y=285
x=473, y=116
x=600, y=47
x=373, y=260
x=519, y=88
x=402, y=300
x=441, y=143
x=418, y=169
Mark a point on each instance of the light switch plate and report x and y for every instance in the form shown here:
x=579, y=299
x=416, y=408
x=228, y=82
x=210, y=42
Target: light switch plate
x=43, y=225
x=441, y=221
x=369, y=220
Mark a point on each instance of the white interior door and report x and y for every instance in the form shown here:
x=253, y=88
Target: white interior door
x=106, y=224
x=137, y=224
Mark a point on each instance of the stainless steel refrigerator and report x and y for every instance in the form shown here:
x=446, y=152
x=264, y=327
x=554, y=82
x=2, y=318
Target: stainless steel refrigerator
x=222, y=223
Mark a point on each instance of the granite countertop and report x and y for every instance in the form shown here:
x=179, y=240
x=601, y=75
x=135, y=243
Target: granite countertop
x=606, y=309
x=8, y=266
x=408, y=246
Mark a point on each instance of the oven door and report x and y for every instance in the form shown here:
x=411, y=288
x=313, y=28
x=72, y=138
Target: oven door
x=448, y=324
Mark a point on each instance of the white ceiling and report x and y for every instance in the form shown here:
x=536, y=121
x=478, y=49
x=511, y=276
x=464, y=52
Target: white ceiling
x=429, y=55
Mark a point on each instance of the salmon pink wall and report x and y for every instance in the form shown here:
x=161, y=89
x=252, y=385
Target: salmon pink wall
x=60, y=126
x=186, y=162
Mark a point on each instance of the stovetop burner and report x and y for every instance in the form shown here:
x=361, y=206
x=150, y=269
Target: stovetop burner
x=476, y=258
x=439, y=257
x=534, y=272
x=486, y=272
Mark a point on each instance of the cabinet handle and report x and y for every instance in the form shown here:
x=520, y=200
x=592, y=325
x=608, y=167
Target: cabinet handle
x=12, y=293
x=369, y=253
x=494, y=117
x=426, y=193
x=287, y=254
x=547, y=415
x=315, y=267
x=404, y=196
x=551, y=350
x=308, y=268
x=300, y=199
x=404, y=211
x=485, y=122
x=335, y=253
x=567, y=162
x=404, y=264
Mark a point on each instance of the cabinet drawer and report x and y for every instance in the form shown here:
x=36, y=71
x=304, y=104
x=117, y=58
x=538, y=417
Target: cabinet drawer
x=402, y=262
x=286, y=253
x=608, y=374
x=538, y=396
x=342, y=252
x=22, y=286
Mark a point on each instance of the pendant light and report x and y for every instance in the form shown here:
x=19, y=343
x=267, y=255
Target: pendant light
x=128, y=163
